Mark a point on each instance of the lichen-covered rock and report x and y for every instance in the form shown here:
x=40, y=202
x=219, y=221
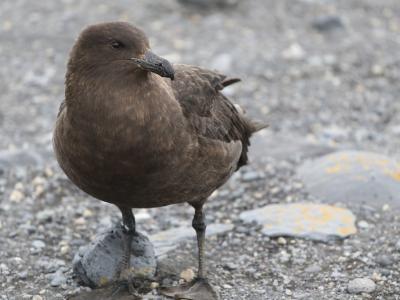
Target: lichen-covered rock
x=98, y=264
x=353, y=177
x=306, y=220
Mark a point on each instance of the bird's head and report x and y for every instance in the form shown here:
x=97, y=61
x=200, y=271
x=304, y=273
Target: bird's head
x=118, y=44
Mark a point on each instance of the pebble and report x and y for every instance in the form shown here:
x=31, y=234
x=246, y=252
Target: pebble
x=384, y=260
x=294, y=52
x=230, y=266
x=397, y=246
x=361, y=285
x=58, y=279
x=363, y=224
x=282, y=241
x=16, y=196
x=313, y=269
x=23, y=275
x=37, y=297
x=154, y=285
x=327, y=23
x=187, y=275
x=38, y=244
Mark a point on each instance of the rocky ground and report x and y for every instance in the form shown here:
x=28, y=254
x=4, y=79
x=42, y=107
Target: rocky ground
x=323, y=73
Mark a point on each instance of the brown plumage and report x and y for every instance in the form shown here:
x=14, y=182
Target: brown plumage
x=129, y=135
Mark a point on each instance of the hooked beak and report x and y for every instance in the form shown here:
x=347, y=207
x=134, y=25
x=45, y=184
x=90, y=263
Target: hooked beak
x=155, y=64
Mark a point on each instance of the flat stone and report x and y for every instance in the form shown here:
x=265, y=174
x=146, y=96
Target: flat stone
x=168, y=240
x=99, y=263
x=353, y=177
x=305, y=220
x=361, y=285
x=58, y=279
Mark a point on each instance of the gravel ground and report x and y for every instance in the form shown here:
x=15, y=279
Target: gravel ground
x=323, y=71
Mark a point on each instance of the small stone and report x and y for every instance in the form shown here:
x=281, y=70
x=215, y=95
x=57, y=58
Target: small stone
x=16, y=196
x=80, y=221
x=37, y=297
x=377, y=70
x=397, y=246
x=361, y=285
x=282, y=241
x=385, y=207
x=154, y=285
x=384, y=260
x=23, y=275
x=58, y=279
x=294, y=52
x=187, y=275
x=230, y=266
x=313, y=269
x=227, y=286
x=65, y=249
x=45, y=216
x=363, y=224
x=327, y=23
x=288, y=292
x=87, y=213
x=38, y=244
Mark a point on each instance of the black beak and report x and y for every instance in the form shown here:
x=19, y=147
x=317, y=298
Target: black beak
x=155, y=64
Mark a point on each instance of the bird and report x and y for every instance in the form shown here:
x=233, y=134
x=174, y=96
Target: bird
x=137, y=131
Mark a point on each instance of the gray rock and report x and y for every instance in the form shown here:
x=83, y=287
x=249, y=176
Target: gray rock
x=384, y=260
x=99, y=263
x=306, y=220
x=327, y=23
x=38, y=244
x=168, y=240
x=353, y=176
x=58, y=279
x=397, y=246
x=361, y=285
x=313, y=269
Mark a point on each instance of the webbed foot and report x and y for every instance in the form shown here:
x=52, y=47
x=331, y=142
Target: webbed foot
x=198, y=289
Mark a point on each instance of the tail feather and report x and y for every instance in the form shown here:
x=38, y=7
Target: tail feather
x=257, y=125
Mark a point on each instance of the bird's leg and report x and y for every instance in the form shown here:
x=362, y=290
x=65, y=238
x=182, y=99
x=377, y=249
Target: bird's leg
x=200, y=226
x=199, y=288
x=129, y=230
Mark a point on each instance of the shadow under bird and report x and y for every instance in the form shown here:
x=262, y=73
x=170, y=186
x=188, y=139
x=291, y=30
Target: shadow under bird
x=136, y=131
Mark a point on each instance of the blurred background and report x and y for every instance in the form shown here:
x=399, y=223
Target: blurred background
x=323, y=73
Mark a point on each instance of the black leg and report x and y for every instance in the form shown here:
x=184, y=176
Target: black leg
x=129, y=228
x=199, y=289
x=128, y=220
x=200, y=226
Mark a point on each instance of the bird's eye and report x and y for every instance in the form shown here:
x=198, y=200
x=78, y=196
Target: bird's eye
x=117, y=45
